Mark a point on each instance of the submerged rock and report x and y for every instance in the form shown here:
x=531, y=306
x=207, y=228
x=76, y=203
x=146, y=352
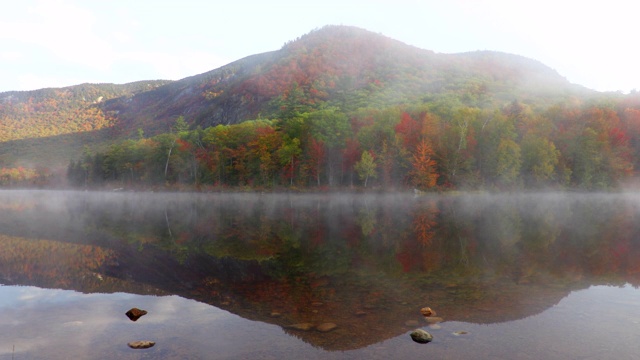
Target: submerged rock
x=411, y=323
x=135, y=314
x=421, y=336
x=301, y=326
x=326, y=327
x=142, y=344
x=433, y=319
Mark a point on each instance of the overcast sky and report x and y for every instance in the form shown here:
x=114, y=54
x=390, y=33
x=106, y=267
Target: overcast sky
x=56, y=43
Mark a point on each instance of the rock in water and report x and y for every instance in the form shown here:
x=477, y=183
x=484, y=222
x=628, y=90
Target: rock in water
x=135, y=314
x=421, y=336
x=326, y=327
x=426, y=311
x=142, y=344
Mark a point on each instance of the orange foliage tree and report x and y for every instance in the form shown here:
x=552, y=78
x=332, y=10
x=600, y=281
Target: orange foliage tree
x=424, y=174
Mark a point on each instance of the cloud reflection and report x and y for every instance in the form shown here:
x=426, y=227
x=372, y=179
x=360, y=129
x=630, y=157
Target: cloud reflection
x=63, y=324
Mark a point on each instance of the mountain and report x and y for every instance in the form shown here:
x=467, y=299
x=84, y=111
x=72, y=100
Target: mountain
x=336, y=65
x=343, y=66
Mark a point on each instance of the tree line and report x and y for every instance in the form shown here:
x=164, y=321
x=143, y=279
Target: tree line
x=442, y=144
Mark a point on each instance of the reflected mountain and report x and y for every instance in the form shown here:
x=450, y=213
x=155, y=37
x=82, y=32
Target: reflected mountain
x=367, y=263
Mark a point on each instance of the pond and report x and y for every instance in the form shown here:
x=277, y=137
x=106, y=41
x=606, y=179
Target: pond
x=319, y=276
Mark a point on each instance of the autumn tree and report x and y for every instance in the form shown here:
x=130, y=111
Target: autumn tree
x=539, y=160
x=455, y=146
x=424, y=174
x=331, y=127
x=264, y=148
x=366, y=167
x=409, y=131
x=498, y=155
x=351, y=155
x=288, y=154
x=379, y=136
x=508, y=162
x=315, y=159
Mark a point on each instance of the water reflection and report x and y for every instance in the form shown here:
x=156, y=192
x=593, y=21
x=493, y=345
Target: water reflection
x=367, y=263
x=63, y=324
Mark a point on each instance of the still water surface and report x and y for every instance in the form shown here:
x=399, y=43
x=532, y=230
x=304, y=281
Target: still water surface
x=227, y=276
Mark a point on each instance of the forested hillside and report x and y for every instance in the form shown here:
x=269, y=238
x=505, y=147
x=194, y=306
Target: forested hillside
x=44, y=127
x=342, y=106
x=50, y=112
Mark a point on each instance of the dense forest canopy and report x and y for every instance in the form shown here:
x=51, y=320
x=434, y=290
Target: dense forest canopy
x=338, y=107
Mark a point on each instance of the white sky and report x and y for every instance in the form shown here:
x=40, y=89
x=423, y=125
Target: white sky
x=55, y=43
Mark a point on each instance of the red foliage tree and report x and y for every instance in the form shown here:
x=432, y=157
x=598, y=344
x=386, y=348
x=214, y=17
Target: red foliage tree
x=409, y=131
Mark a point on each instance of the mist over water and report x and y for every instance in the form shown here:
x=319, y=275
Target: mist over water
x=512, y=270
